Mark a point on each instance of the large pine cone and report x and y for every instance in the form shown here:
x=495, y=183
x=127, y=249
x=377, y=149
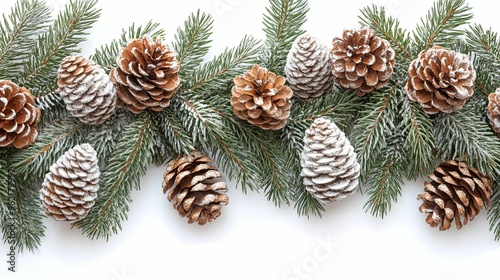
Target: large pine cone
x=362, y=61
x=196, y=188
x=147, y=75
x=18, y=116
x=440, y=80
x=308, y=68
x=329, y=165
x=70, y=188
x=86, y=90
x=456, y=192
x=494, y=110
x=261, y=98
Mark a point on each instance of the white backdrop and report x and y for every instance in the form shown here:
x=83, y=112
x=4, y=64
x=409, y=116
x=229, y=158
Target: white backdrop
x=253, y=239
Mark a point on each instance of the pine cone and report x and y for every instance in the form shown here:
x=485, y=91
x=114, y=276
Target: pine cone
x=308, y=68
x=147, y=75
x=329, y=165
x=86, y=90
x=70, y=188
x=362, y=61
x=494, y=110
x=440, y=80
x=18, y=116
x=456, y=191
x=261, y=98
x=195, y=186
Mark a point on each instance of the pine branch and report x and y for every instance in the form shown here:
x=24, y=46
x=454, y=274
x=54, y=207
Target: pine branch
x=389, y=29
x=4, y=185
x=106, y=55
x=282, y=22
x=192, y=42
x=442, y=23
x=464, y=135
x=55, y=139
x=26, y=19
x=61, y=40
x=52, y=107
x=215, y=74
x=172, y=131
x=127, y=164
x=494, y=210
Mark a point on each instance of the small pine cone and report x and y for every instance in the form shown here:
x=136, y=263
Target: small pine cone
x=362, y=61
x=18, y=116
x=329, y=166
x=70, y=188
x=494, y=110
x=308, y=68
x=147, y=75
x=86, y=90
x=196, y=188
x=440, y=80
x=456, y=191
x=261, y=98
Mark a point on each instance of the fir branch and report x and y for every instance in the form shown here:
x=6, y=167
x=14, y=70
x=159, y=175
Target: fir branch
x=463, y=134
x=61, y=39
x=192, y=42
x=282, y=25
x=26, y=19
x=442, y=23
x=215, y=74
x=171, y=131
x=106, y=55
x=127, y=164
x=389, y=29
x=52, y=107
x=494, y=210
x=55, y=139
x=4, y=185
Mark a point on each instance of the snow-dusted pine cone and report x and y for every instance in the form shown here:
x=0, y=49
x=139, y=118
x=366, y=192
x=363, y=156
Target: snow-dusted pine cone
x=308, y=68
x=18, y=116
x=440, y=80
x=362, y=61
x=494, y=110
x=329, y=165
x=70, y=188
x=147, y=75
x=261, y=98
x=86, y=90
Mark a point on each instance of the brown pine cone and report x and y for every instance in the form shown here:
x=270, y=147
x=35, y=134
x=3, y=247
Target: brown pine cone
x=261, y=97
x=196, y=188
x=494, y=110
x=362, y=61
x=86, y=90
x=456, y=192
x=18, y=116
x=147, y=75
x=440, y=80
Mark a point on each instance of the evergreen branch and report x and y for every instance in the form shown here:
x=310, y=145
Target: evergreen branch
x=215, y=74
x=106, y=55
x=192, y=42
x=127, y=164
x=52, y=107
x=442, y=24
x=494, y=210
x=484, y=43
x=56, y=138
x=172, y=131
x=59, y=41
x=4, y=186
x=463, y=134
x=26, y=19
x=387, y=28
x=282, y=25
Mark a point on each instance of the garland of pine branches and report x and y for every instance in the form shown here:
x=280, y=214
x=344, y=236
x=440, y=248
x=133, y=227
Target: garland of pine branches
x=393, y=138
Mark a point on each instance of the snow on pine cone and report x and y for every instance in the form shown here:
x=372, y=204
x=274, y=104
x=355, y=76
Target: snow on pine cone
x=308, y=68
x=70, y=188
x=18, y=116
x=147, y=75
x=329, y=166
x=362, y=61
x=196, y=188
x=86, y=90
x=494, y=110
x=440, y=80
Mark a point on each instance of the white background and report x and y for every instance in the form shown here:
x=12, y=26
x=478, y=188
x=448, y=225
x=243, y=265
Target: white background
x=253, y=239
